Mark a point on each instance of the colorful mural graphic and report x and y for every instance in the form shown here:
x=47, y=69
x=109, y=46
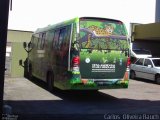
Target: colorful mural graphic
x=104, y=49
x=108, y=30
x=103, y=35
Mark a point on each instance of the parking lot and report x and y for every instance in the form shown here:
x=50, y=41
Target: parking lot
x=30, y=99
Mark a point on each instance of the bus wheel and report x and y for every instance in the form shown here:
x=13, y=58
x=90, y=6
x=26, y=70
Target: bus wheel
x=157, y=79
x=50, y=81
x=132, y=75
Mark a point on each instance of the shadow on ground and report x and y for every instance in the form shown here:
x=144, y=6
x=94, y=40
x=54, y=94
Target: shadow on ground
x=145, y=80
x=75, y=105
x=93, y=107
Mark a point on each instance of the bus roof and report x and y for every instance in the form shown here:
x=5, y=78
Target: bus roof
x=61, y=24
x=67, y=22
x=100, y=18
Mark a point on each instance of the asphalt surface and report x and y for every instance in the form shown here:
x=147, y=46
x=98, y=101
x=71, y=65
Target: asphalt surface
x=30, y=100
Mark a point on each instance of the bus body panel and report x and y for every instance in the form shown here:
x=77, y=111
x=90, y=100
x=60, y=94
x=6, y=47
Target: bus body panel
x=102, y=64
x=101, y=46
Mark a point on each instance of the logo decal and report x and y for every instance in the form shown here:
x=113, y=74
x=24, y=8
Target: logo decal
x=87, y=60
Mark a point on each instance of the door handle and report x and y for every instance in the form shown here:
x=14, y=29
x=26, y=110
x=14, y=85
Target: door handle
x=143, y=67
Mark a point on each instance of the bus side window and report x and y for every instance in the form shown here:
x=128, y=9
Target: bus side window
x=39, y=41
x=55, y=40
x=35, y=40
x=32, y=40
x=43, y=41
x=68, y=34
x=51, y=38
x=65, y=44
x=61, y=37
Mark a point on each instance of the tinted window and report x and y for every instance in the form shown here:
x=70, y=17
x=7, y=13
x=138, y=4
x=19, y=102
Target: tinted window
x=147, y=62
x=139, y=62
x=43, y=40
x=156, y=62
x=142, y=51
x=102, y=34
x=39, y=41
x=35, y=40
x=55, y=42
x=62, y=36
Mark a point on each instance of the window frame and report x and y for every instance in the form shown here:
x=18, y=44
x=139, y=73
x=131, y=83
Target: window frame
x=139, y=60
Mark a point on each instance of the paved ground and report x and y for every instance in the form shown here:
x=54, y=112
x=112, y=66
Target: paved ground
x=31, y=100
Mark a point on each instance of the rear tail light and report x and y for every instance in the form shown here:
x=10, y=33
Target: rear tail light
x=128, y=62
x=75, y=64
x=75, y=61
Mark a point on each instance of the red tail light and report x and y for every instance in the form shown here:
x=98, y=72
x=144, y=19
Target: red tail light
x=75, y=61
x=75, y=64
x=128, y=61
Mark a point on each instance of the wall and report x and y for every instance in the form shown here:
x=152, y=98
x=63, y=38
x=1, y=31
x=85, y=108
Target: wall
x=147, y=31
x=18, y=53
x=19, y=36
x=16, y=38
x=146, y=36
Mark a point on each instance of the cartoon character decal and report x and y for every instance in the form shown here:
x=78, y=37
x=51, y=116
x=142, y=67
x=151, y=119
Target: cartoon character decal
x=102, y=35
x=88, y=44
x=108, y=30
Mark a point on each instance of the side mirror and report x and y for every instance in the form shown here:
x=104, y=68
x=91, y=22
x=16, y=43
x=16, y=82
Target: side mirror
x=30, y=45
x=24, y=44
x=149, y=66
x=20, y=62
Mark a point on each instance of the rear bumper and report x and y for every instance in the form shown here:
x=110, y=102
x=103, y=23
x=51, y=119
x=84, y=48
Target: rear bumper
x=88, y=85
x=78, y=83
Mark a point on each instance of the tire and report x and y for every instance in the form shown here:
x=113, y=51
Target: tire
x=132, y=75
x=50, y=81
x=157, y=79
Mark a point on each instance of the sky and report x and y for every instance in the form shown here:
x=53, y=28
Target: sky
x=29, y=15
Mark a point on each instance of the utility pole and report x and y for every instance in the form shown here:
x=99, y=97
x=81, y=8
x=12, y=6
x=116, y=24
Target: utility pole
x=4, y=12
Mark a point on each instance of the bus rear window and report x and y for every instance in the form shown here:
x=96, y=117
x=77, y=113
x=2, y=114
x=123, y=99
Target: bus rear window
x=102, y=34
